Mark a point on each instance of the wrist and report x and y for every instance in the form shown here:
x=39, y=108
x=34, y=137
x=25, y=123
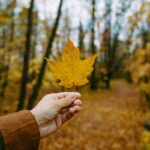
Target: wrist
x=33, y=112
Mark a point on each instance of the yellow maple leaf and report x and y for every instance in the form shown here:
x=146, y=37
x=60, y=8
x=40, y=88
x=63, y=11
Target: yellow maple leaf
x=71, y=70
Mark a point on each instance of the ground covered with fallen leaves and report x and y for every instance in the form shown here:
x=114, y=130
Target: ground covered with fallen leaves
x=110, y=120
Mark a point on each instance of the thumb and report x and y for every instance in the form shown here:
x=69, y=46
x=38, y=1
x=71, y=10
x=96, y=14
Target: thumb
x=65, y=102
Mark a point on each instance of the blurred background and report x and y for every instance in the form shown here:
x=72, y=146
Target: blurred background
x=116, y=100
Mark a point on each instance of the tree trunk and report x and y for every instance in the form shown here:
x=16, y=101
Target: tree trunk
x=112, y=41
x=94, y=83
x=38, y=83
x=148, y=97
x=2, y=66
x=26, y=58
x=107, y=81
x=81, y=40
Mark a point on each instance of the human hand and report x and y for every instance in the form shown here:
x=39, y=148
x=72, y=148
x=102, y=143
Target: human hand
x=55, y=109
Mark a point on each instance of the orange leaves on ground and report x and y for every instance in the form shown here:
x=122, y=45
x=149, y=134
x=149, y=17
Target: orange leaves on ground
x=71, y=70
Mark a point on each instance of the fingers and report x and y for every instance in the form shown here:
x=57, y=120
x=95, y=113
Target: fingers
x=64, y=110
x=65, y=102
x=66, y=94
x=61, y=95
x=65, y=99
x=67, y=116
x=70, y=97
x=59, y=120
x=75, y=109
x=69, y=112
x=62, y=118
x=77, y=102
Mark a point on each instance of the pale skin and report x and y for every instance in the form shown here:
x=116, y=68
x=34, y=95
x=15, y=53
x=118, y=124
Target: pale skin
x=54, y=110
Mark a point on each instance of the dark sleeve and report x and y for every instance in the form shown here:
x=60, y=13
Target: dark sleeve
x=2, y=146
x=19, y=131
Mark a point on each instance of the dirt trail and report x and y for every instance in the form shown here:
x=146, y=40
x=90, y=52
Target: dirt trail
x=110, y=120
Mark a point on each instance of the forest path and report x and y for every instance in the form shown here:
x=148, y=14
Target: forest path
x=110, y=120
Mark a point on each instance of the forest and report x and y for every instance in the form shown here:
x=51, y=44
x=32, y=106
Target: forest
x=116, y=100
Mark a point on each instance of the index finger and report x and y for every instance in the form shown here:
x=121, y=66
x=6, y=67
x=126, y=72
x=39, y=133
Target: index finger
x=65, y=94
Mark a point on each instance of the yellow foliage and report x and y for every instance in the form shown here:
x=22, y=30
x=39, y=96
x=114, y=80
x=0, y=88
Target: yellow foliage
x=130, y=19
x=4, y=19
x=138, y=20
x=142, y=9
x=148, y=52
x=140, y=69
x=35, y=65
x=148, y=18
x=148, y=46
x=15, y=75
x=145, y=87
x=146, y=69
x=135, y=77
x=72, y=71
x=145, y=139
